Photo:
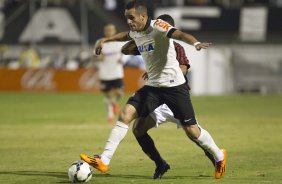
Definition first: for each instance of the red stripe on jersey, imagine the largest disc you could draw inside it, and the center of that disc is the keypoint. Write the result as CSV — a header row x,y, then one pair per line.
x,y
181,55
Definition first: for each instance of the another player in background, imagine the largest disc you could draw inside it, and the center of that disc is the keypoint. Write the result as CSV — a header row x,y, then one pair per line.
x,y
110,69
160,115
165,84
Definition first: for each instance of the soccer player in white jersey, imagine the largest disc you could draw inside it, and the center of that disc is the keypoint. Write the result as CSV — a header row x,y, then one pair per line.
x,y
165,85
160,115
110,71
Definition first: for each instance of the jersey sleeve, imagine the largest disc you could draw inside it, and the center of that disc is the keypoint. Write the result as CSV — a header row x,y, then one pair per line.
x,y
164,27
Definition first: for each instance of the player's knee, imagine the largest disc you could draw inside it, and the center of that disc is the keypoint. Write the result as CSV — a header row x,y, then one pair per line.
x,y
126,116
136,132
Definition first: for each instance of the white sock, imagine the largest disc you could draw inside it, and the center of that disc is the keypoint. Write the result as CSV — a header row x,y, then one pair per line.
x,y
116,136
206,141
110,111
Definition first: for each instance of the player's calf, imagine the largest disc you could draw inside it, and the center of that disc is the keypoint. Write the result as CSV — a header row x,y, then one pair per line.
x,y
192,131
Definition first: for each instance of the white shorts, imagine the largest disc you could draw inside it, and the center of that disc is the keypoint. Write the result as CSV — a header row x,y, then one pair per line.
x,y
163,114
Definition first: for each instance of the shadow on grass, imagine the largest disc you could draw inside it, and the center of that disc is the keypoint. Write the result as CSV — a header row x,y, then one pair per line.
x,y
62,176
132,176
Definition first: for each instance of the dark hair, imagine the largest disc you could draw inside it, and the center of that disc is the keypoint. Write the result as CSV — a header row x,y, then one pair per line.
x,y
167,18
138,5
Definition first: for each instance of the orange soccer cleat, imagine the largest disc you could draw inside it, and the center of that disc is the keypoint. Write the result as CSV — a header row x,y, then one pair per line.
x,y
95,162
220,166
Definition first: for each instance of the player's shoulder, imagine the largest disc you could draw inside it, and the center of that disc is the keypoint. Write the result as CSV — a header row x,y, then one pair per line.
x,y
161,25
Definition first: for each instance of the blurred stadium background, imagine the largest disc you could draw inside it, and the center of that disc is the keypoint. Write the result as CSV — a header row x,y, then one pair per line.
x,y
46,45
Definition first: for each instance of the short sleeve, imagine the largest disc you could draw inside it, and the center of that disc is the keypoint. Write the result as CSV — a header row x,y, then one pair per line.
x,y
164,27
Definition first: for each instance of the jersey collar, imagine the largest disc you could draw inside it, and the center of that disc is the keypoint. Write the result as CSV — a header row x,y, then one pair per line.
x,y
148,23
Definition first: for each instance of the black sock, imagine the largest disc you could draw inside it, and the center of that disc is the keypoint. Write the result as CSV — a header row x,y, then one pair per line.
x,y
148,146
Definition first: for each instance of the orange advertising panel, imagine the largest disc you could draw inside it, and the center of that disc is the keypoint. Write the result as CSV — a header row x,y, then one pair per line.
x,y
85,80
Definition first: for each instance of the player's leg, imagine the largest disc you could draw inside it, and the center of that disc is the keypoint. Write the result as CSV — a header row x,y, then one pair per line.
x,y
205,140
142,125
118,93
178,100
108,95
207,153
163,114
117,134
140,131
136,105
127,114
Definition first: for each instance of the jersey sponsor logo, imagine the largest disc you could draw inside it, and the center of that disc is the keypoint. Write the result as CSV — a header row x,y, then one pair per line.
x,y
163,25
146,48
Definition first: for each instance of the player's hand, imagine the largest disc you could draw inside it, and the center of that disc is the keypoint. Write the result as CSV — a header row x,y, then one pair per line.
x,y
98,46
203,45
145,76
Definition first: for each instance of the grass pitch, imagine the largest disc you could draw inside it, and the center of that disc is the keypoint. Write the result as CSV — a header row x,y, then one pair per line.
x,y
42,134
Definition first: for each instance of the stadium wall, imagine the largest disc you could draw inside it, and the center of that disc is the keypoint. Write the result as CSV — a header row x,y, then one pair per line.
x,y
82,80
224,69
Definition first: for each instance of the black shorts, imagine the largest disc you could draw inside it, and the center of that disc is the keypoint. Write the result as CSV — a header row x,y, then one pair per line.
x,y
107,85
177,98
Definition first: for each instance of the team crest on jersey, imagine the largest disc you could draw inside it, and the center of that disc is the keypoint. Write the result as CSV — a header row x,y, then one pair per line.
x,y
146,48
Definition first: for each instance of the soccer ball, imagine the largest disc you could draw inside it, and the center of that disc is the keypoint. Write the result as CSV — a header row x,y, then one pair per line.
x,y
80,172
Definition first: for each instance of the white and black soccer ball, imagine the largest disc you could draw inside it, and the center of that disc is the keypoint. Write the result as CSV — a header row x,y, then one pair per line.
x,y
80,172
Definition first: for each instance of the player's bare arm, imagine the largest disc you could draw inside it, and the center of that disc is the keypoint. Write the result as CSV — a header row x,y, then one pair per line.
x,y
122,36
130,48
184,69
189,39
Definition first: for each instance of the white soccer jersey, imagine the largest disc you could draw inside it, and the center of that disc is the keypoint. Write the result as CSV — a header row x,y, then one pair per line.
x,y
111,67
159,54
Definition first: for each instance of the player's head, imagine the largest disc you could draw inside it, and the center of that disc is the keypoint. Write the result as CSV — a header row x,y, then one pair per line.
x,y
167,18
109,30
136,15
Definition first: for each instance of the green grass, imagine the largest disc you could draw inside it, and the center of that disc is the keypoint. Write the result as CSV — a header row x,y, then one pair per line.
x,y
42,134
